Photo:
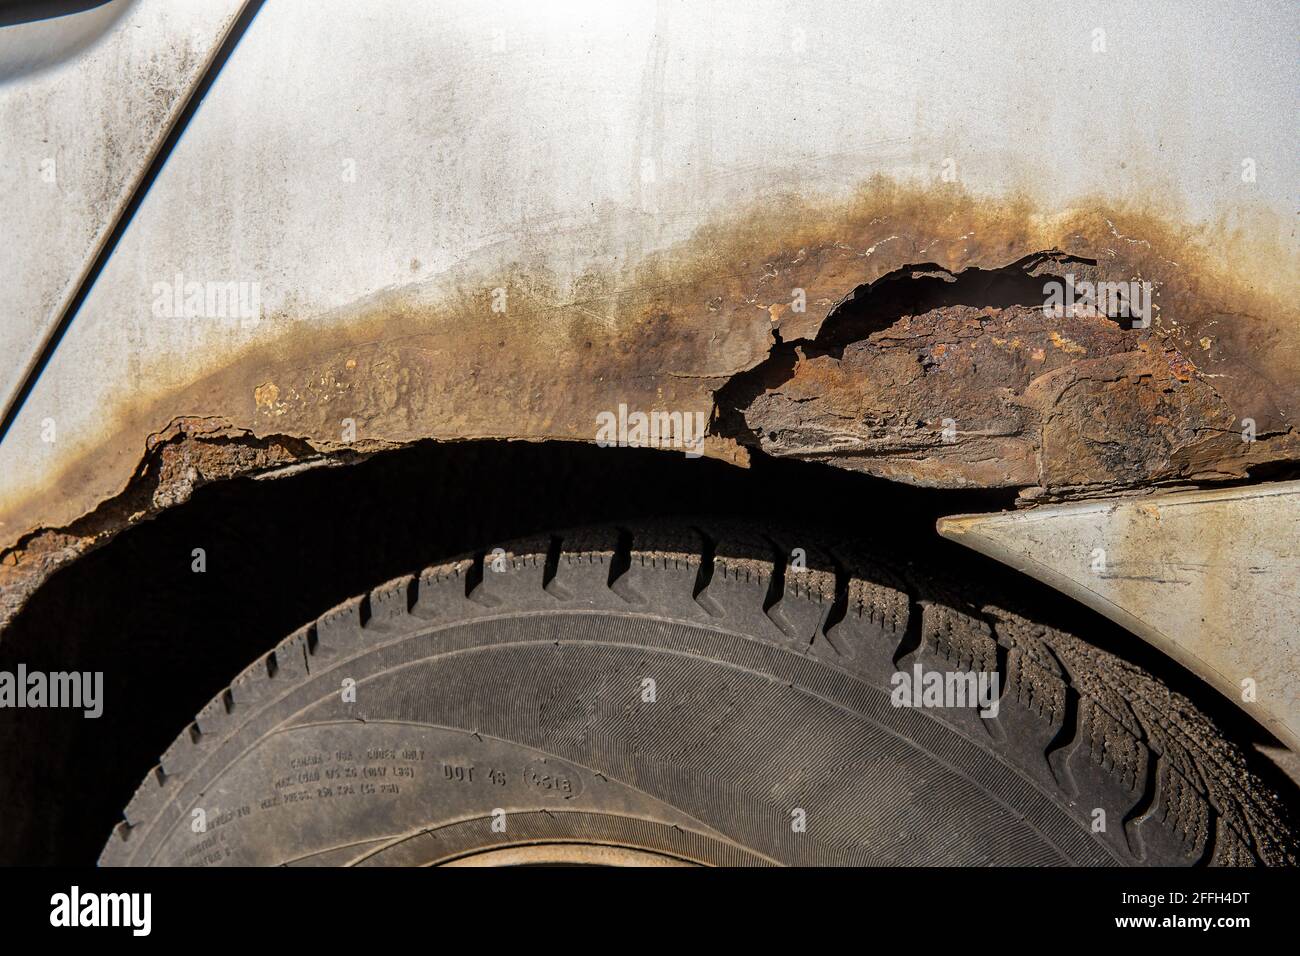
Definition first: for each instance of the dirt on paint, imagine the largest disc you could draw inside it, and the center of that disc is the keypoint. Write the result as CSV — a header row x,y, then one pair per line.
x,y
899,333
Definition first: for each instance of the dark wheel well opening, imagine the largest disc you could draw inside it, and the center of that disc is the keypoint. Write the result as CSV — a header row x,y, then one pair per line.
x,y
279,552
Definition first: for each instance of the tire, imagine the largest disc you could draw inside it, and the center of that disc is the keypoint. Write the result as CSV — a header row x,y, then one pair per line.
x,y
682,694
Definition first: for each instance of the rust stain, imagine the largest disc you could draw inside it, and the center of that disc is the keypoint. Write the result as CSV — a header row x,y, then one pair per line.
x,y
746,322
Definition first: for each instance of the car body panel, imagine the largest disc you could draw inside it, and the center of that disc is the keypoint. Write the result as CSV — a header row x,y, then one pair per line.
x,y
457,221
1211,578
82,119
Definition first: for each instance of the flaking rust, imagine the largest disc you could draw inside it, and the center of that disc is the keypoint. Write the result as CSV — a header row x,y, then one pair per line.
x,y
899,333
966,380
187,454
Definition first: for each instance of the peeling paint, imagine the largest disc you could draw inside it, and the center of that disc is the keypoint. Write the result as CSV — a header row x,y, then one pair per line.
x,y
1056,407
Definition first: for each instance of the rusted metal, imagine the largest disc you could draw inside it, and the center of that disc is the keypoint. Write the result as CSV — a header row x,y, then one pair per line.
x,y
187,454
674,220
1056,407
964,379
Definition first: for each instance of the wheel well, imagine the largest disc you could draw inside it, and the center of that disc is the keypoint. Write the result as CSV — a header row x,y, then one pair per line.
x,y
279,552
